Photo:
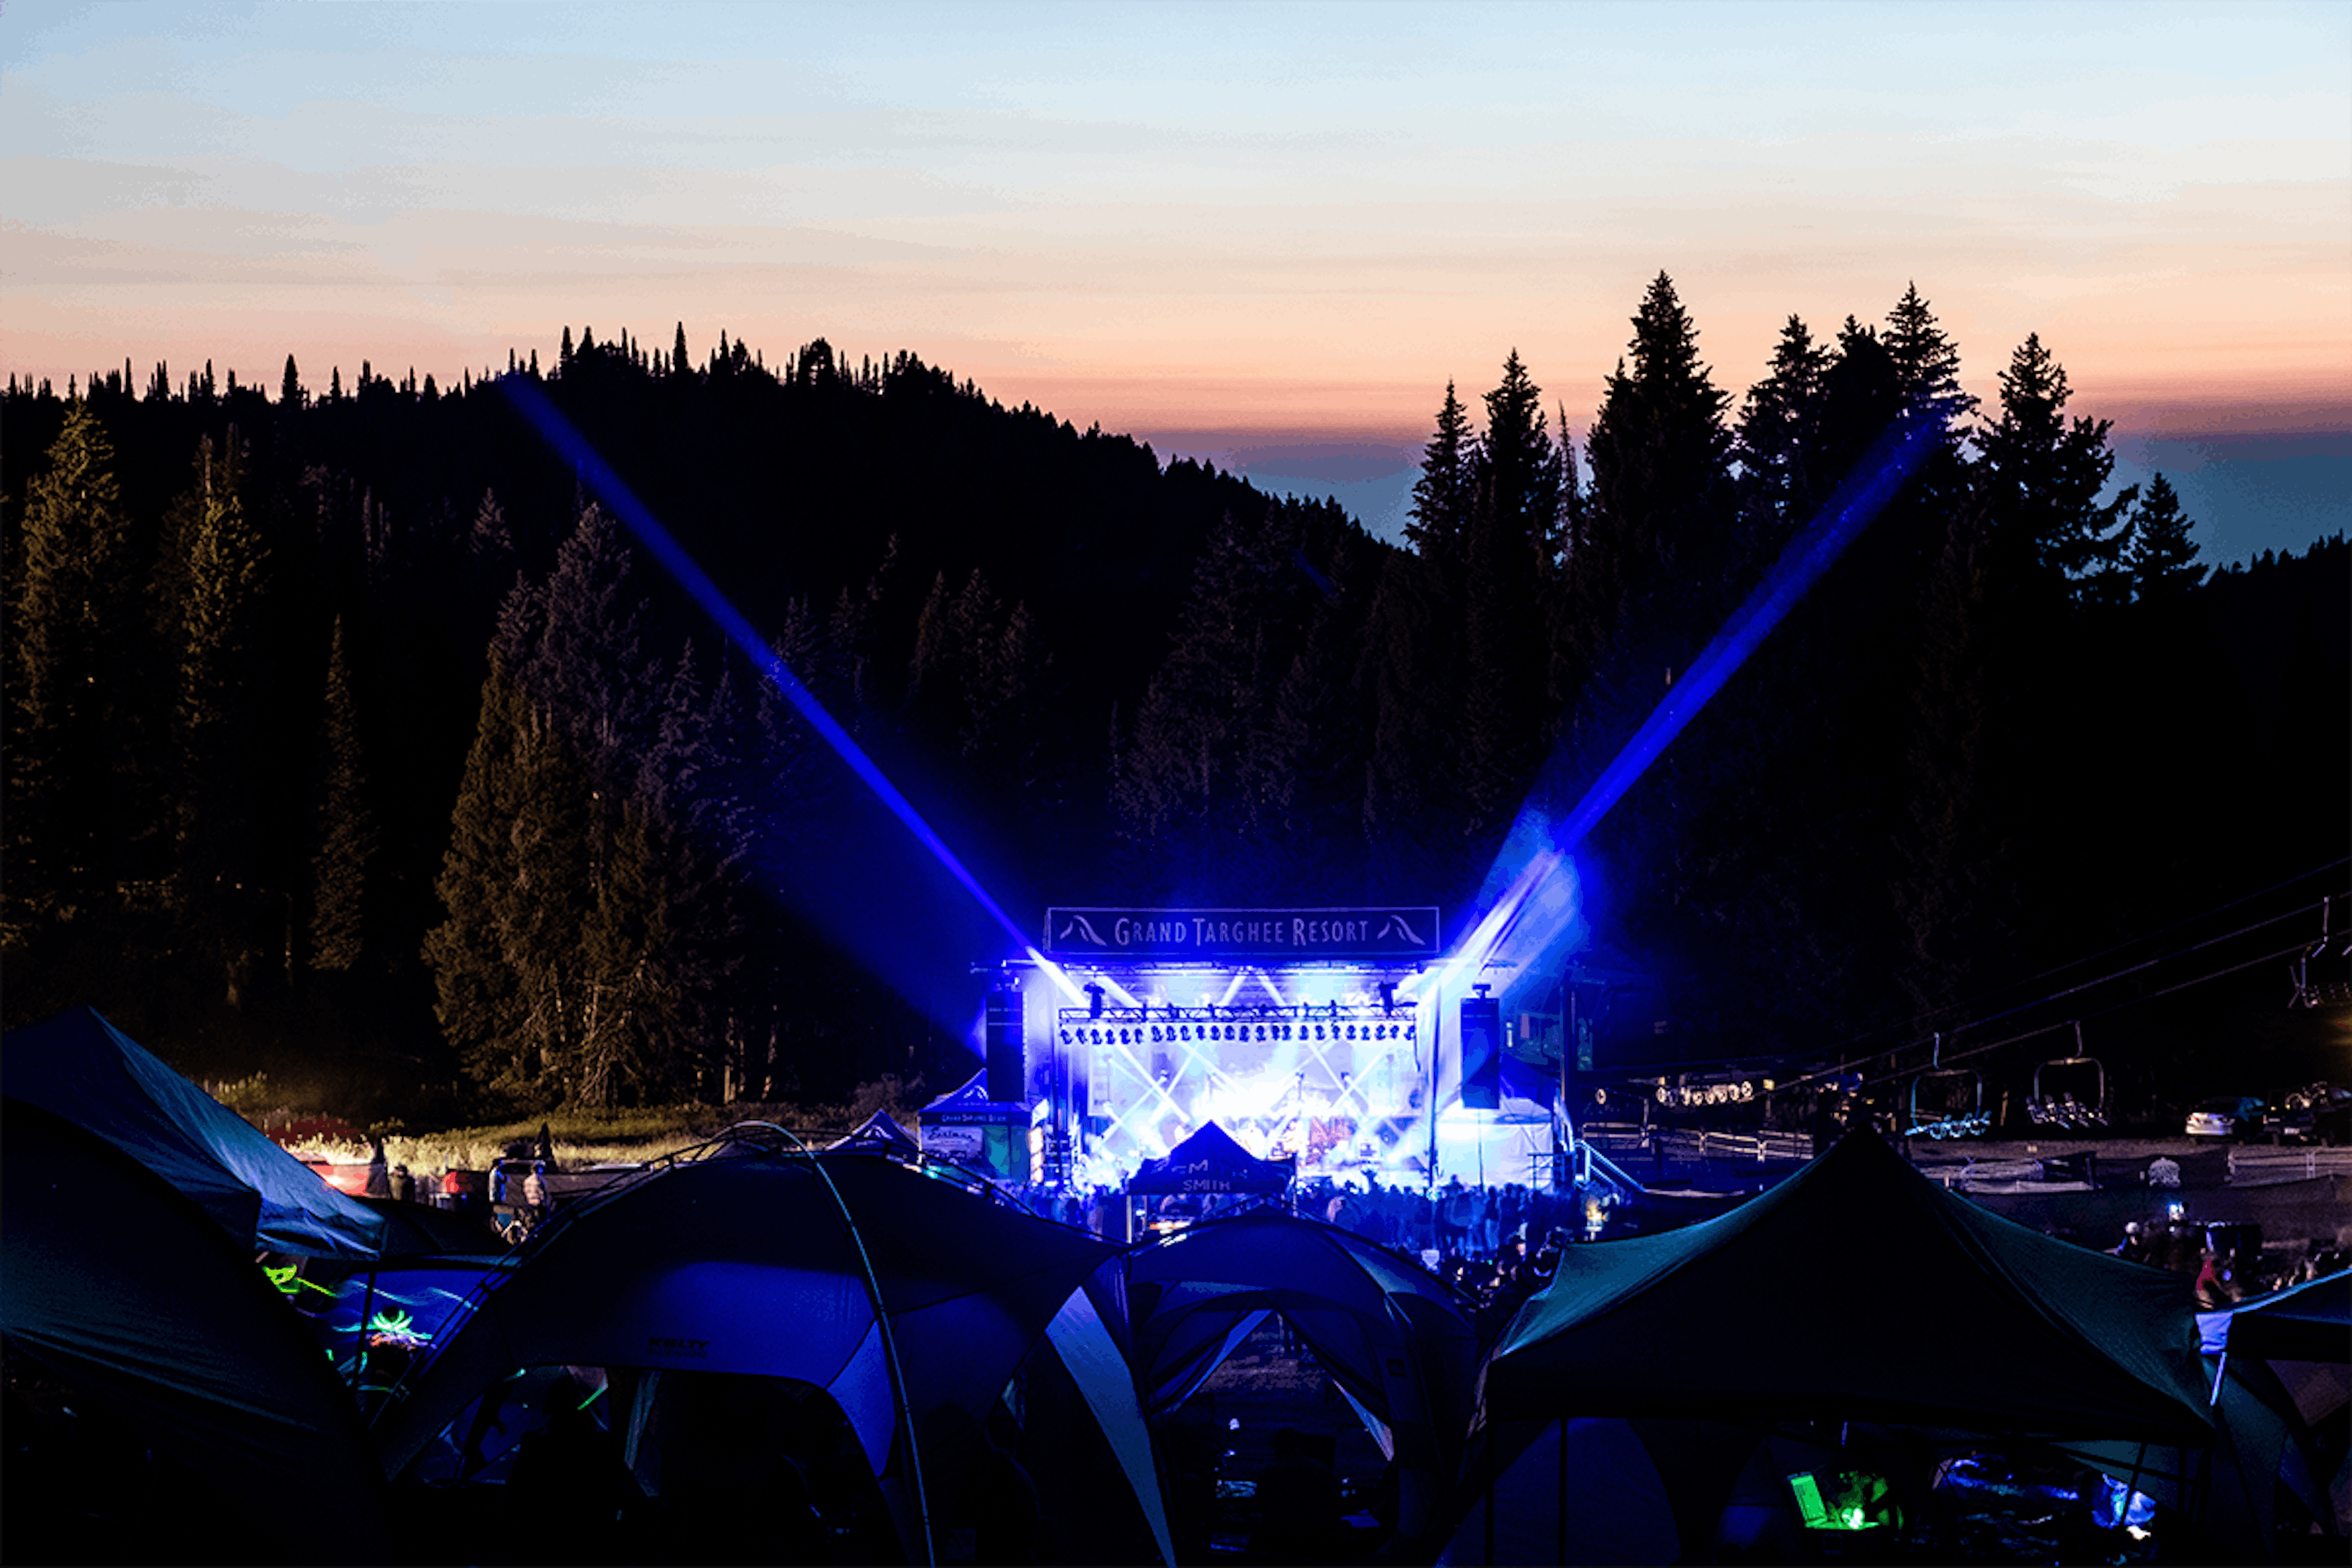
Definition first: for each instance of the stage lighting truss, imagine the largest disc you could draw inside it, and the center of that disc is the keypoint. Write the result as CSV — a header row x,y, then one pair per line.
x,y
1151,1063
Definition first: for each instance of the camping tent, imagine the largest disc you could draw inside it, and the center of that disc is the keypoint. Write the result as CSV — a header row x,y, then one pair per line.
x,y
2310,1322
129,1293
1854,1291
1401,1346
910,1301
1857,1289
79,1065
1210,1161
2280,1365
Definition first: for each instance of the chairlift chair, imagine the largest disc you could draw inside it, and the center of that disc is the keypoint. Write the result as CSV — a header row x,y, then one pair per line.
x,y
2325,992
2053,1104
1935,1116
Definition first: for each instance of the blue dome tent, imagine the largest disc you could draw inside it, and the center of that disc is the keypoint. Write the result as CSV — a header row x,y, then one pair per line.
x,y
910,1301
1400,1346
81,1068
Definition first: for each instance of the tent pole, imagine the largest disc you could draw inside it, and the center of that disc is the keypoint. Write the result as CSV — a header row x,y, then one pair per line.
x,y
360,1345
1486,1463
889,1348
1559,1495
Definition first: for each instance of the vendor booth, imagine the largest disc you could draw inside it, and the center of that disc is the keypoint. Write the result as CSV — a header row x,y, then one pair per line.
x,y
987,1137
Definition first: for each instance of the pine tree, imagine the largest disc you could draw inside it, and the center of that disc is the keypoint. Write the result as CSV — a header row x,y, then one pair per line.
x,y
2162,558
546,875
1774,444
1651,574
345,839
1926,361
1441,496
667,941
2038,483
1520,461
490,540
218,563
74,653
1956,894
1410,684
1195,778
289,387
587,675
1511,555
478,992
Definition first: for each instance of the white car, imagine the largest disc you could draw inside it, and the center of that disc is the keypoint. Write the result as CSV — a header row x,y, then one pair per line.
x,y
2226,1116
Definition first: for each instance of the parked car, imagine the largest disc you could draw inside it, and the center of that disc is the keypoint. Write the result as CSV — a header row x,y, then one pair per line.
x,y
2316,1113
2227,1116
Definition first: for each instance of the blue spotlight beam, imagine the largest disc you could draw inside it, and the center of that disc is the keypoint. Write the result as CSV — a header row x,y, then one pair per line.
x,y
1891,462
559,433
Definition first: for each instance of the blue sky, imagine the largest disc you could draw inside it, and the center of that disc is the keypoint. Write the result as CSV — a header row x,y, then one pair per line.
x,y
1266,234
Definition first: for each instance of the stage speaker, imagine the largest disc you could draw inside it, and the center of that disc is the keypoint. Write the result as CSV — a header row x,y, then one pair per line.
x,y
1007,1069
1481,1053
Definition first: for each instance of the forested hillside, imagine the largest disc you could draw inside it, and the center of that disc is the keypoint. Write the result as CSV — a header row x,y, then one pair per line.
x,y
348,736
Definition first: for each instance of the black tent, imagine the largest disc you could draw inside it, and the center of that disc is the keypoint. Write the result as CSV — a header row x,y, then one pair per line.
x,y
79,1065
1855,1291
1858,1290
129,1292
1210,1161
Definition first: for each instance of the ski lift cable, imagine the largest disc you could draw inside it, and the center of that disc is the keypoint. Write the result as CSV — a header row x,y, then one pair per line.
x,y
2049,997
1856,1064
2075,1023
1905,1026
2130,1002
2146,964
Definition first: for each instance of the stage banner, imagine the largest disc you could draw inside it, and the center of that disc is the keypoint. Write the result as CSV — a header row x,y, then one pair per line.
x,y
1387,935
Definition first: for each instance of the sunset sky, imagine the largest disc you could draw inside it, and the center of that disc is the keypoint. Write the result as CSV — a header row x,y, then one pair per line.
x,y
1264,234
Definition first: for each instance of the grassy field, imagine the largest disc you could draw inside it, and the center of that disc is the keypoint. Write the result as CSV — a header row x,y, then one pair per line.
x,y
579,1138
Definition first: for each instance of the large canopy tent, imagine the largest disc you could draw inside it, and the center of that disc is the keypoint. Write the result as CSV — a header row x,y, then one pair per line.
x,y
910,1301
1401,1346
1856,1291
81,1068
1210,1161
129,1293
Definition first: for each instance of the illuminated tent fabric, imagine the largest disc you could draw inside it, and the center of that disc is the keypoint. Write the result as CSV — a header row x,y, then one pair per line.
x,y
880,1134
2311,1322
2228,1485
1401,1346
1543,1505
129,1292
970,1100
79,1065
1210,1161
1857,1289
2278,1364
745,1264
